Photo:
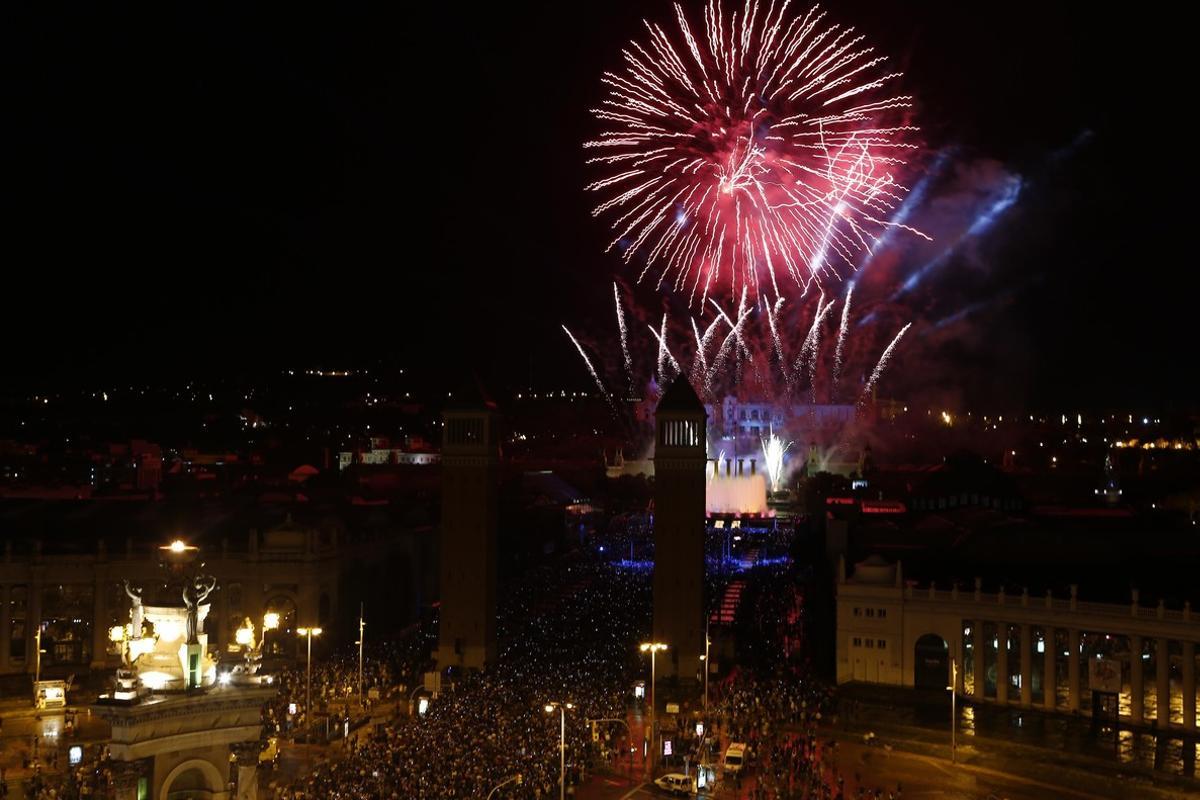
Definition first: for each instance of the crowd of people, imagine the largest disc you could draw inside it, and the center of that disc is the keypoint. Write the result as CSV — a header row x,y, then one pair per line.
x,y
776,705
566,630
84,781
569,633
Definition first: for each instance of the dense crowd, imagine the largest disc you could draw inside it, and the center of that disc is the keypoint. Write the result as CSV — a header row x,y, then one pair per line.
x,y
335,686
567,631
775,705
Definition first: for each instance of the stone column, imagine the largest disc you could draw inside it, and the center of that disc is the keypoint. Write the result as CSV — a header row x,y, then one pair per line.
x,y
1162,661
33,619
246,759
1073,670
1049,672
977,658
1001,662
1189,685
1137,682
125,779
960,655
1026,666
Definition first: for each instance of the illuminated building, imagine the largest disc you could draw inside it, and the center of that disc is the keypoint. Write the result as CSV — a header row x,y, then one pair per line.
x,y
311,566
1015,649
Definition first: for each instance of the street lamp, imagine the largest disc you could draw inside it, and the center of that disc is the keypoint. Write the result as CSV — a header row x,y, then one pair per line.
x,y
308,633
519,780
653,649
37,642
361,635
704,658
562,745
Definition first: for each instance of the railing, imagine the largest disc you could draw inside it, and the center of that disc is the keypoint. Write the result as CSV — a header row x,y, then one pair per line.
x,y
1034,603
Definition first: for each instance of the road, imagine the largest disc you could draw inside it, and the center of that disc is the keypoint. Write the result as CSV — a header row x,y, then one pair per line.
x,y
917,776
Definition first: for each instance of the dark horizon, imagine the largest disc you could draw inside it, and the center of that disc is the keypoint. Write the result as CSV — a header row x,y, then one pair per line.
x,y
217,192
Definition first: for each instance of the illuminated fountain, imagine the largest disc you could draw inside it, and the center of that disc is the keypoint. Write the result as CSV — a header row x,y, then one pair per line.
x,y
731,489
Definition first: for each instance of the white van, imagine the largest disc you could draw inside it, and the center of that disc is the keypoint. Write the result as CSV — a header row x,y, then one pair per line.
x,y
676,783
735,758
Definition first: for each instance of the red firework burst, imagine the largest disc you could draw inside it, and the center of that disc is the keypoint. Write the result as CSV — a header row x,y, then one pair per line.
x,y
761,152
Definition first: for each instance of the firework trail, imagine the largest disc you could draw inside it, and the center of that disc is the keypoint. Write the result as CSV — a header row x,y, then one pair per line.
x,y
773,449
809,350
721,353
664,355
772,314
883,362
734,337
700,368
840,350
588,361
758,149
624,338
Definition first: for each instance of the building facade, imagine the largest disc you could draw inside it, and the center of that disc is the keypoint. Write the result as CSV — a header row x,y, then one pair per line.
x,y
1017,649
305,573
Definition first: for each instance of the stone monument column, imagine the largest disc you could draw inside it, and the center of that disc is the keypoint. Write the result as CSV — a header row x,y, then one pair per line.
x,y
126,775
1049,673
1137,682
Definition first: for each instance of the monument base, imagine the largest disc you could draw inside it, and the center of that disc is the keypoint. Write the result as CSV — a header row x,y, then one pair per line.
x,y
180,742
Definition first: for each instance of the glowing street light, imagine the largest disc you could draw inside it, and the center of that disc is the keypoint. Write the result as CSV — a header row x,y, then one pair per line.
x,y
562,745
308,633
653,648
244,636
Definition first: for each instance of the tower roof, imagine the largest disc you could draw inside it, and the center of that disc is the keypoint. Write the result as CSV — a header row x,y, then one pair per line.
x,y
680,396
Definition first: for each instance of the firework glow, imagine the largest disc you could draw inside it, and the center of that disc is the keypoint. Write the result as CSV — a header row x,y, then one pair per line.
x,y
773,449
758,149
882,365
730,350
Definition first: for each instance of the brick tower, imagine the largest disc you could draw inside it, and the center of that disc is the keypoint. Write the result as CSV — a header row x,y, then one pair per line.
x,y
680,456
470,474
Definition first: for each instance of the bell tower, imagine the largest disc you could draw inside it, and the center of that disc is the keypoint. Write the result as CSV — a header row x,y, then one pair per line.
x,y
470,474
680,458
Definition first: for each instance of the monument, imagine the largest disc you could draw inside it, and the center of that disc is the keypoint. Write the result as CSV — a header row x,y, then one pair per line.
x,y
181,718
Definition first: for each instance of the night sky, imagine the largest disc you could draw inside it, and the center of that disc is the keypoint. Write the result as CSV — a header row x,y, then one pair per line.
x,y
192,189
